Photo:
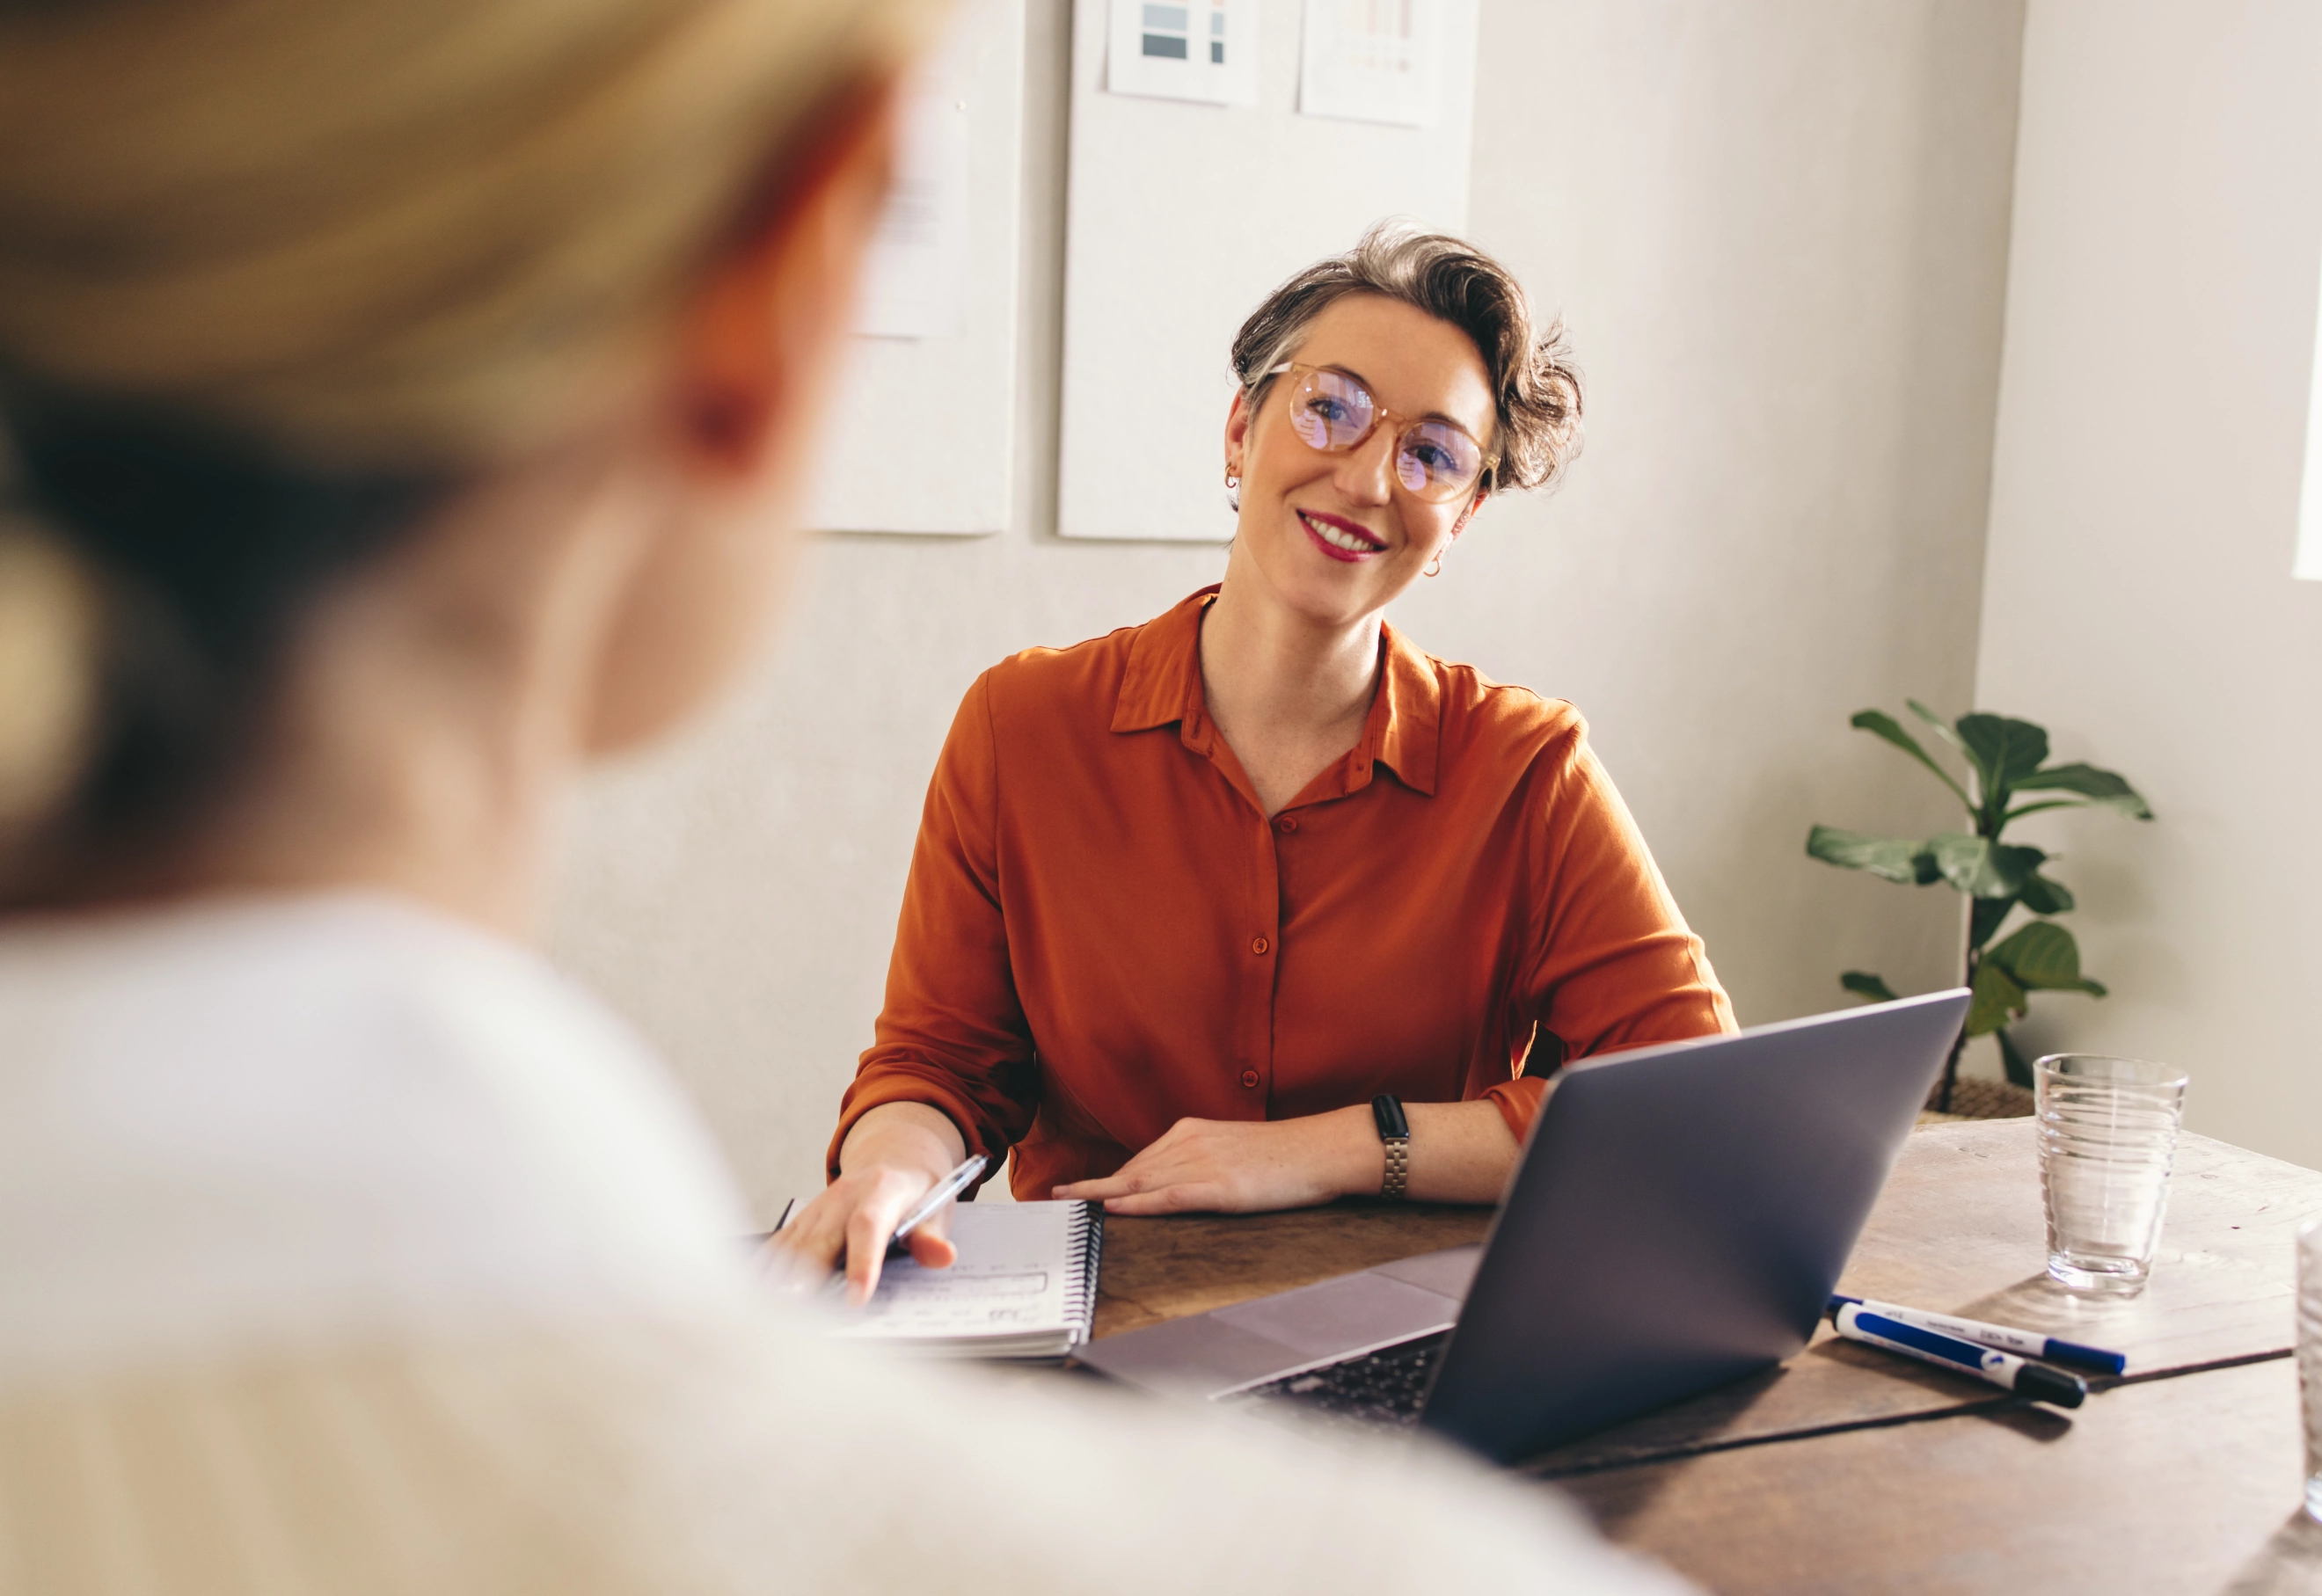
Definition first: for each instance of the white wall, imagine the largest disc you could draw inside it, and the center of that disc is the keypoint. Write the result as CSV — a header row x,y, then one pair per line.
x,y
2138,600
1780,230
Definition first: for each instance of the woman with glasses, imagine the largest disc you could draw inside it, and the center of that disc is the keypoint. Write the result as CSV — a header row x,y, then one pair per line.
x,y
1257,905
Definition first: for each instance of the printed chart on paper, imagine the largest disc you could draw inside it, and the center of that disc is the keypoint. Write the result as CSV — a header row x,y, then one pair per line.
x,y
1185,49
1373,60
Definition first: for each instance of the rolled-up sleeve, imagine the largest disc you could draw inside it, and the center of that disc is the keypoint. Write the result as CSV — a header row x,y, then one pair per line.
x,y
1612,962
953,1033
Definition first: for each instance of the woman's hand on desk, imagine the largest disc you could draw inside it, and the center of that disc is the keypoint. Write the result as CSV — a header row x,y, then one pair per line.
x,y
1459,1153
893,1157
1241,1166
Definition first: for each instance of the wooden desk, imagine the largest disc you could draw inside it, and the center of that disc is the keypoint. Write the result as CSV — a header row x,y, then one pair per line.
x,y
1881,1471
1960,1228
2175,1486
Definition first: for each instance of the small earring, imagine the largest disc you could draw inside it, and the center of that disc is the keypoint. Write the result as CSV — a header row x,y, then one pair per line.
x,y
1233,493
1435,569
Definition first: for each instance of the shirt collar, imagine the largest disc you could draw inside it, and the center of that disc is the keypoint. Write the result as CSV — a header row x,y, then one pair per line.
x,y
1161,686
1163,683
1406,724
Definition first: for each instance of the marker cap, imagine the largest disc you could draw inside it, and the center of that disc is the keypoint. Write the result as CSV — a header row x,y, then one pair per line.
x,y
2087,1357
2051,1385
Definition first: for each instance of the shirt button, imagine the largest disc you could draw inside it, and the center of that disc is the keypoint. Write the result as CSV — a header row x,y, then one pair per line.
x,y
1287,824
1250,1077
1258,944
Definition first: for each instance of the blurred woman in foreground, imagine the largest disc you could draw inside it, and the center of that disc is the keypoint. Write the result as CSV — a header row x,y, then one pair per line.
x,y
406,402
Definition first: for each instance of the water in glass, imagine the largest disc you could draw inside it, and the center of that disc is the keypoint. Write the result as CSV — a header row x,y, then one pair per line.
x,y
2107,1133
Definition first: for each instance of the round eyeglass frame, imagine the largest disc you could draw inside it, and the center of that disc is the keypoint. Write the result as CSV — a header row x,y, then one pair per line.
x,y
1485,462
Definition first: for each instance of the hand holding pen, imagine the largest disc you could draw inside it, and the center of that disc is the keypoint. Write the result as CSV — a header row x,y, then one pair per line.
x,y
942,1192
901,1157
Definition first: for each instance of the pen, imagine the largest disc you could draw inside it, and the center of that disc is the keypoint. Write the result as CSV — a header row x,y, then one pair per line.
x,y
949,1187
2024,1343
2002,1369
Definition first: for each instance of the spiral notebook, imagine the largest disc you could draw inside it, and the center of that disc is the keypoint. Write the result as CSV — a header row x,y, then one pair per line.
x,y
1024,1286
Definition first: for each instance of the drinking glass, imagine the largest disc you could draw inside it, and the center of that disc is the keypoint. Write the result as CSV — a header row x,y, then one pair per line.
x,y
2309,1357
2107,1131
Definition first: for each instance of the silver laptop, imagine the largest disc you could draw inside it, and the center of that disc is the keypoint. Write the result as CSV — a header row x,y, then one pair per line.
x,y
1677,1220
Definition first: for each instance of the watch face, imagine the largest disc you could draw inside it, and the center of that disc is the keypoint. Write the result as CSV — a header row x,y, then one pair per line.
x,y
1388,1111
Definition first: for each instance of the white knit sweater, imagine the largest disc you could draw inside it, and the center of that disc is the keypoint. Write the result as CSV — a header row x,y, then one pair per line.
x,y
345,1249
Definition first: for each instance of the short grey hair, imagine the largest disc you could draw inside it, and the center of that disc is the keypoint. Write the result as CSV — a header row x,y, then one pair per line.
x,y
1535,387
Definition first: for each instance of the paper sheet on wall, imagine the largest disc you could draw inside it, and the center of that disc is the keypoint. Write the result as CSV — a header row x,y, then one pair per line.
x,y
940,304
1169,248
912,273
1184,49
1373,60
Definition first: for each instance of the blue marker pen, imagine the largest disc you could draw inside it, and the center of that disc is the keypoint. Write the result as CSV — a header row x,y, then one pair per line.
x,y
2024,1343
2005,1370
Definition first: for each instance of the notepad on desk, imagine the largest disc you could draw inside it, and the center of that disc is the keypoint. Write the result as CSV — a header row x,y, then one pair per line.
x,y
1024,1286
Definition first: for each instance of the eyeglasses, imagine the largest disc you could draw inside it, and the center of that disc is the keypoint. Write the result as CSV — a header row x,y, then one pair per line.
x,y
1333,413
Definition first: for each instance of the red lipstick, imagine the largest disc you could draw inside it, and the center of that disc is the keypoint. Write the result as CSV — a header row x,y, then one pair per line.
x,y
1310,520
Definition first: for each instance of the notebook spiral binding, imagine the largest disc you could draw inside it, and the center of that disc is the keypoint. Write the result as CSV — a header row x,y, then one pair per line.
x,y
1087,1245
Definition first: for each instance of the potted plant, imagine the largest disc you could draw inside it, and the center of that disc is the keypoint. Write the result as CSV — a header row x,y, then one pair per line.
x,y
2005,759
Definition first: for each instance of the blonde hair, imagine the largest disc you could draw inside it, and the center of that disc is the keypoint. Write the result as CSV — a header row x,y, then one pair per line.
x,y
416,231
394,239
48,630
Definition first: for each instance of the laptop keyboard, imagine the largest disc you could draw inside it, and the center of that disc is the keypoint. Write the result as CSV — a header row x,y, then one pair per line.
x,y
1383,1387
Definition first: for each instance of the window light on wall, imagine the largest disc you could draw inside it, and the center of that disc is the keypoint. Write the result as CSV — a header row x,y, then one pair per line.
x,y
2308,565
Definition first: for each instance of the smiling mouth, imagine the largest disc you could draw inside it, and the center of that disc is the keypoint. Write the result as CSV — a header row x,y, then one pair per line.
x,y
1338,537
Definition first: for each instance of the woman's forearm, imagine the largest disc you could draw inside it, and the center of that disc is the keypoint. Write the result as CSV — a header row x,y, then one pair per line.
x,y
908,1135
1459,1152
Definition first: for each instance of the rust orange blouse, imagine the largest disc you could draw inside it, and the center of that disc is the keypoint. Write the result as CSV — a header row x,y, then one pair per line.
x,y
1103,933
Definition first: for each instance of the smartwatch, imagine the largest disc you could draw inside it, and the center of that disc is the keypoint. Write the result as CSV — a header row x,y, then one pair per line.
x,y
1394,1131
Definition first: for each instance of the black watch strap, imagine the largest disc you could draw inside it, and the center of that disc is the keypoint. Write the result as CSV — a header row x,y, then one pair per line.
x,y
1394,1132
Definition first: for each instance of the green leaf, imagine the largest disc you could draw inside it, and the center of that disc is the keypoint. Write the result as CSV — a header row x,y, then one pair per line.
x,y
1986,916
2045,897
1983,868
1998,999
2017,860
2042,957
2105,788
2012,1059
2021,810
1893,859
1863,984
2042,954
1942,729
1879,723
1960,857
2004,750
